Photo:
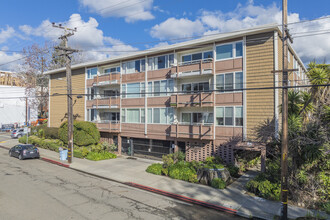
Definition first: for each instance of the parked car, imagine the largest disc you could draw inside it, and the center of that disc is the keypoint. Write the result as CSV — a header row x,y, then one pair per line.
x,y
23,151
17,133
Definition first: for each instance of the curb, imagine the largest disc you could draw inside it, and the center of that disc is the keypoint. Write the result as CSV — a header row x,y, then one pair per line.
x,y
55,162
183,198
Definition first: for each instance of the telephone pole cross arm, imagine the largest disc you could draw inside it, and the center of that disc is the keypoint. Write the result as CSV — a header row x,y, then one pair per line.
x,y
67,52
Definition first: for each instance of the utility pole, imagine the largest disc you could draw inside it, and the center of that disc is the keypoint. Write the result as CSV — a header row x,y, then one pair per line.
x,y
66,52
26,111
284,153
42,85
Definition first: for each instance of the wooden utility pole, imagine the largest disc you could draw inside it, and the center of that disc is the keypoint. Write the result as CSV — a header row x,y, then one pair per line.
x,y
67,52
284,153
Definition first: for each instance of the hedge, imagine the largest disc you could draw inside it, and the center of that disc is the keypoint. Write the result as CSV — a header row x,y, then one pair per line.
x,y
100,156
84,133
155,168
42,143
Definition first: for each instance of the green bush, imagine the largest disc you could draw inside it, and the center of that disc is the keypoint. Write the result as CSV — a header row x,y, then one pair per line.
x,y
233,170
97,148
41,133
51,133
22,140
182,171
100,156
84,133
77,153
218,183
49,144
264,188
155,168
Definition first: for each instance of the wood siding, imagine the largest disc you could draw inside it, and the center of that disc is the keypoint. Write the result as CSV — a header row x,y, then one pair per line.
x,y
259,64
58,104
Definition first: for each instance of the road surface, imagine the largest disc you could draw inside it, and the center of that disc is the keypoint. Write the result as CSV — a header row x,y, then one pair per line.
x,y
34,189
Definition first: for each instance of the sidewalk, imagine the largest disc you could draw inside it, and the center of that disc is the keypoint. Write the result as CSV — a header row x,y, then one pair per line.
x,y
234,196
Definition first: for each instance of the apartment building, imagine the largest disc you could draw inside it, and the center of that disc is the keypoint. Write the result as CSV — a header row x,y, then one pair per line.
x,y
204,97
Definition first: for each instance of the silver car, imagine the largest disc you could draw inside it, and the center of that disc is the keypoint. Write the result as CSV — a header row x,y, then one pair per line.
x,y
17,133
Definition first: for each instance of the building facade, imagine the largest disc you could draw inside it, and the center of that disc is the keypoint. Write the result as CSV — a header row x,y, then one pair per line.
x,y
205,97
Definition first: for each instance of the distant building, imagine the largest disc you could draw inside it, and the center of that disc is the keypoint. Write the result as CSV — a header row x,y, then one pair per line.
x,y
13,105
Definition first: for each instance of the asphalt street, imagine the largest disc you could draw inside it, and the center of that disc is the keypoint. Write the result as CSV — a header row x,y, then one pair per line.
x,y
34,189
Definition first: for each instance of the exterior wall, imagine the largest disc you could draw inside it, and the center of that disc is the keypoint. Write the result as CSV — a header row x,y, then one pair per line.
x,y
58,104
259,64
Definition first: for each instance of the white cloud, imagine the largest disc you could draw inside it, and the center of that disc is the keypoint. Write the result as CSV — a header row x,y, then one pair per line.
x,y
174,28
5,34
247,16
88,38
133,10
9,61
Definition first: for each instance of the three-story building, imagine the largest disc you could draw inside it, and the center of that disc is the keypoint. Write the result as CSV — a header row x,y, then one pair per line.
x,y
209,96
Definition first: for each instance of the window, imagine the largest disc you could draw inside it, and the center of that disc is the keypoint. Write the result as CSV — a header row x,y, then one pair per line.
x,y
196,87
160,115
224,51
143,115
197,118
134,66
123,115
186,118
149,115
208,55
133,90
227,51
225,116
133,115
111,70
186,58
91,73
161,62
160,88
91,93
123,90
156,116
197,56
239,80
229,82
92,114
239,49
229,115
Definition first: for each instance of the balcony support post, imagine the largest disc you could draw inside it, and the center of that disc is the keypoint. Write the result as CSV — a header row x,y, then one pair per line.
x,y
119,144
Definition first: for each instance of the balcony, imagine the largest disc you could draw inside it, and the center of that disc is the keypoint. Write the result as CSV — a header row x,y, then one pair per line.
x,y
108,126
102,102
201,99
193,68
196,131
107,79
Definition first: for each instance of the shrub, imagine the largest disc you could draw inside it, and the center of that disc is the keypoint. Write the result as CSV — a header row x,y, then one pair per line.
x,y
218,183
43,143
170,159
182,171
97,148
155,168
264,188
233,170
77,153
100,156
51,133
41,133
84,133
22,140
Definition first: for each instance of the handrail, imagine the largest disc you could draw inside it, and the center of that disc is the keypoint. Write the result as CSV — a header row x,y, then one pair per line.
x,y
207,60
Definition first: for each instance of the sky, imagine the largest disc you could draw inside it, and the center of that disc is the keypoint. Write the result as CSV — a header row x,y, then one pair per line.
x,y
108,28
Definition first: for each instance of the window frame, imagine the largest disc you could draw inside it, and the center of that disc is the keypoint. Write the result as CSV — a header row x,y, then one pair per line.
x,y
141,67
234,116
234,82
191,54
192,118
87,75
233,50
167,118
123,114
167,60
124,94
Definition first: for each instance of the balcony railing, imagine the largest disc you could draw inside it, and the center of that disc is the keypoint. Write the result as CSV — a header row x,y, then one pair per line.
x,y
201,99
108,125
193,68
103,102
107,79
195,131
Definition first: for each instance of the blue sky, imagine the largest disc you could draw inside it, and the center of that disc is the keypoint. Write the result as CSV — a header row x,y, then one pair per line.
x,y
121,26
